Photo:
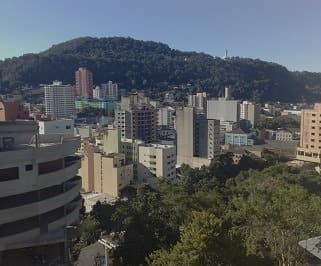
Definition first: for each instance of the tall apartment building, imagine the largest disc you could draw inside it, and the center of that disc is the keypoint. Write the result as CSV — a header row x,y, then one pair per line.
x,y
199,101
166,116
110,90
60,100
198,138
250,111
136,118
157,160
310,139
39,192
84,82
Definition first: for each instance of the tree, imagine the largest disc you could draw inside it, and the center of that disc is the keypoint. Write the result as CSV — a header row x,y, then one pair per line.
x,y
198,245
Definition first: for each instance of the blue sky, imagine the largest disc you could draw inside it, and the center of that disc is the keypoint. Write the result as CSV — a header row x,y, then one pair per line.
x,y
283,31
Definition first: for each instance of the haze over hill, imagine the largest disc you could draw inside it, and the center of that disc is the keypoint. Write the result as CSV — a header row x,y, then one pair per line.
x,y
148,65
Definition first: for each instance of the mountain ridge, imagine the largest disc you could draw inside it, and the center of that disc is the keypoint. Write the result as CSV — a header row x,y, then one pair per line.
x,y
148,65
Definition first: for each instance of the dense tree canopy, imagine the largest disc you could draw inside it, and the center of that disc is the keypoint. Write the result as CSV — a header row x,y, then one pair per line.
x,y
219,216
150,65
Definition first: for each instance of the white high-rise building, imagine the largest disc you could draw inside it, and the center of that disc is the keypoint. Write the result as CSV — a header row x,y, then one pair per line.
x,y
98,93
60,100
249,111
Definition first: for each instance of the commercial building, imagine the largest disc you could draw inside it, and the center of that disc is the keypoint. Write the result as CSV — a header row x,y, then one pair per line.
x,y
84,83
136,118
106,105
250,111
56,127
60,100
199,101
39,192
310,139
198,138
11,111
157,160
238,138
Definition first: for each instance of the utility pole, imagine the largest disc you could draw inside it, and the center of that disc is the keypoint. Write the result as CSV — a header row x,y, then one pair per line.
x,y
108,245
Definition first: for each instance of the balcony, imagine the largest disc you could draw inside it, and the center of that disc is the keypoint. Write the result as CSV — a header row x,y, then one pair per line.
x,y
42,206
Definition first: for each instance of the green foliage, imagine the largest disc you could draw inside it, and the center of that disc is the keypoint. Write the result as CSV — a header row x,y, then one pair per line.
x,y
257,216
89,235
199,243
153,66
286,121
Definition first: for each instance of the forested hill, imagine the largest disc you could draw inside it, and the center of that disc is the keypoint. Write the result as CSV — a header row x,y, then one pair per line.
x,y
146,65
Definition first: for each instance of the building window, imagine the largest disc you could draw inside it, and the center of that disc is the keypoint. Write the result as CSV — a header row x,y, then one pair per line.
x,y
29,167
7,174
51,166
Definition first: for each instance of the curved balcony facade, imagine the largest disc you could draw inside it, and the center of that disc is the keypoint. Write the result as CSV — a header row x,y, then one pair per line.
x,y
39,193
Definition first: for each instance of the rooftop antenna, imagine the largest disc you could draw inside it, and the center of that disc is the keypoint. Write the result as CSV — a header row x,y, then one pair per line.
x,y
226,54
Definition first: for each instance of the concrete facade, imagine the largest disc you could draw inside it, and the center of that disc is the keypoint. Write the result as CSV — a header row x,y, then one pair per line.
x,y
197,137
39,192
223,110
157,160
61,127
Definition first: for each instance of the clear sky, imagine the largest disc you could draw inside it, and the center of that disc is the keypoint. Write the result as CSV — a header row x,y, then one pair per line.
x,y
283,31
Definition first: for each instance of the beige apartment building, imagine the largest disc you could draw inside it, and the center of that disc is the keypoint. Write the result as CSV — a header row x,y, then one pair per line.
x,y
310,140
157,160
104,173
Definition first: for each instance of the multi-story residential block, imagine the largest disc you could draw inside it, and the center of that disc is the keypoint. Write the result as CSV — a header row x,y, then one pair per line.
x,y
238,138
250,111
56,127
110,90
39,192
84,83
104,173
136,118
10,111
166,116
60,100
198,138
199,101
310,139
157,160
